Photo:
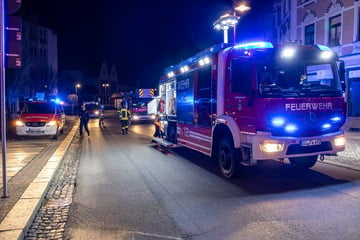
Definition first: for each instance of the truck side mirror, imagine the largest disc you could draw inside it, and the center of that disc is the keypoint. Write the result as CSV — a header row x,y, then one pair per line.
x,y
341,66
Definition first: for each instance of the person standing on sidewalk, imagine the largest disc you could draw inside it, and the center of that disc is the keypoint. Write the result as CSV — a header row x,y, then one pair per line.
x,y
124,116
159,133
101,118
84,120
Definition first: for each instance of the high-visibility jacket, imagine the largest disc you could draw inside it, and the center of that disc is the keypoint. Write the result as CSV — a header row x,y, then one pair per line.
x,y
124,114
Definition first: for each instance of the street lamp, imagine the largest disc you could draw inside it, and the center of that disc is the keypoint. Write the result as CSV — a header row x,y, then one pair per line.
x,y
105,85
227,21
77,86
242,8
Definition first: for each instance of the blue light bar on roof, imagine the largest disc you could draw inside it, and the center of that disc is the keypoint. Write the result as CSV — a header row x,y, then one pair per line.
x,y
322,47
252,45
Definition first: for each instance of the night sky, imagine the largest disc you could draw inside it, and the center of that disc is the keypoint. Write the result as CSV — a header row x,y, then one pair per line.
x,y
141,38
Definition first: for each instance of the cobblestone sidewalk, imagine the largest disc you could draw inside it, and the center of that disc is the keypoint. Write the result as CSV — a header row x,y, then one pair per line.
x,y
52,216
350,158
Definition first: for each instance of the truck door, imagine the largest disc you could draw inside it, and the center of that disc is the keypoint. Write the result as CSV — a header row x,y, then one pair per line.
x,y
240,103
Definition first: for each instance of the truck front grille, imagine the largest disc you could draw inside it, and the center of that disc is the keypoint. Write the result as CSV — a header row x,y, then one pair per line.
x,y
297,148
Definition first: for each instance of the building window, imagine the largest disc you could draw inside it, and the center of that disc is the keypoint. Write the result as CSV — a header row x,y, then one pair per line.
x,y
289,6
334,31
358,26
310,34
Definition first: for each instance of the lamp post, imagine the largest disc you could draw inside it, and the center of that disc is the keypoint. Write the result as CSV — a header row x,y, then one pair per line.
x,y
105,85
227,21
242,8
77,86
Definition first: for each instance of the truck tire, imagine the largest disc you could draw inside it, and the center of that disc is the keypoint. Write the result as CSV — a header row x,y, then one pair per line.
x,y
226,158
303,162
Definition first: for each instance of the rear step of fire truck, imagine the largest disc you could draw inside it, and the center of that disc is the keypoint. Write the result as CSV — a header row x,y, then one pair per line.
x,y
164,143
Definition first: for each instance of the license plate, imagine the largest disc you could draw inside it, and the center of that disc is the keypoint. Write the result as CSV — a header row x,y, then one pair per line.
x,y
36,131
310,142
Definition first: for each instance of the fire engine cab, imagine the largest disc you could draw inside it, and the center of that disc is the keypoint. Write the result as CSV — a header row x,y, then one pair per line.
x,y
256,101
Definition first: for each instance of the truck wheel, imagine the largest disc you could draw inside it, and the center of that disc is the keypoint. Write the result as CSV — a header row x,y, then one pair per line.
x,y
229,167
62,131
303,162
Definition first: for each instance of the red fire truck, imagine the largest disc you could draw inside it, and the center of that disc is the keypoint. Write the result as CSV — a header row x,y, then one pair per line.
x,y
137,103
256,101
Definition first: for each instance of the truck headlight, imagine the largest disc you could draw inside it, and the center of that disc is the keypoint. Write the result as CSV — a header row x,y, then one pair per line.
x,y
19,123
339,141
271,146
152,117
135,117
52,123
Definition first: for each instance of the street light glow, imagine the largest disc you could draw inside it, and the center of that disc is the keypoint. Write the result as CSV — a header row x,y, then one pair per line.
x,y
227,21
242,8
77,86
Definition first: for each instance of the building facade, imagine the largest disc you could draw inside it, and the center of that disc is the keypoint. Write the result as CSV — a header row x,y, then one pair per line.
x,y
334,23
37,77
108,84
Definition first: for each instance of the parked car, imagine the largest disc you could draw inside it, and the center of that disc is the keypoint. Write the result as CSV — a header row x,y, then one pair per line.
x,y
41,119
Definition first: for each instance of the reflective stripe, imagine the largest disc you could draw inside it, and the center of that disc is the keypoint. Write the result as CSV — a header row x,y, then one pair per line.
x,y
124,114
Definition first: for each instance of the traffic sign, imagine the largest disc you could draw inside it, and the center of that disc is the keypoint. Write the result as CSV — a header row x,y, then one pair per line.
x,y
13,42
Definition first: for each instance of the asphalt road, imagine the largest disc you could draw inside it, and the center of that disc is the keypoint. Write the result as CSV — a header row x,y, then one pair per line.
x,y
128,189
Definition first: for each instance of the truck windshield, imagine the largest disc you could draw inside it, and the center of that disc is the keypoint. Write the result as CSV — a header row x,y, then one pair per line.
x,y
298,80
44,108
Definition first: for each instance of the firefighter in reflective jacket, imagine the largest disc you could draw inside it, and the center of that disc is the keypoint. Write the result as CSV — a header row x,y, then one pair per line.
x,y
124,116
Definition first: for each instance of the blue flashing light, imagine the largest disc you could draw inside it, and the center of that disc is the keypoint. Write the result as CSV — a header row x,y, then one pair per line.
x,y
336,119
290,128
278,121
252,45
57,101
322,47
326,126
